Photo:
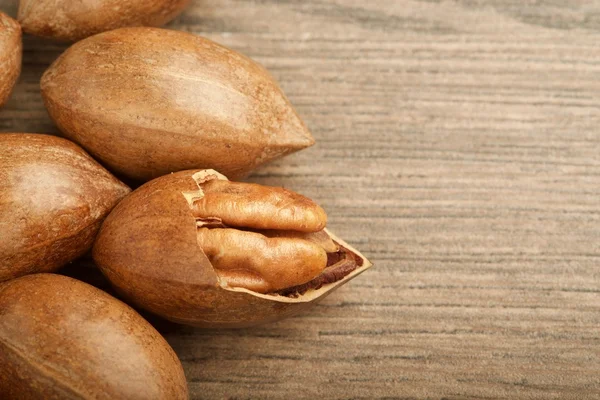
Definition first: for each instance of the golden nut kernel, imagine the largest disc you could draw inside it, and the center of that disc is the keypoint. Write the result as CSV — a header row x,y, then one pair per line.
x,y
54,197
259,263
74,20
64,339
251,206
149,101
198,249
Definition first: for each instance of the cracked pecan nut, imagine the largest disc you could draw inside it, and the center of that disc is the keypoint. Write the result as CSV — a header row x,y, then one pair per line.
x,y
198,249
149,101
53,199
64,339
11,50
69,20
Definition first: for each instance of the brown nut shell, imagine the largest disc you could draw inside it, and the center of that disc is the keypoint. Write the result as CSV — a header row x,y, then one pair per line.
x,y
70,20
53,199
149,101
11,50
148,249
64,339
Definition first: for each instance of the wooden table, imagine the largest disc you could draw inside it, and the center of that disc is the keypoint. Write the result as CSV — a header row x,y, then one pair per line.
x,y
459,148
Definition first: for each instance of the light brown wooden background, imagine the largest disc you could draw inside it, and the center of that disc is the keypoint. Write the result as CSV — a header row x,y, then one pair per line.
x,y
459,148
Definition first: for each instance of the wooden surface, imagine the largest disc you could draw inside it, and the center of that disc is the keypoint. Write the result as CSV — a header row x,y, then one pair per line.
x,y
459,149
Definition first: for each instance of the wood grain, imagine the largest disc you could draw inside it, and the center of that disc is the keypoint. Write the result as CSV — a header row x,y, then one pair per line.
x,y
459,148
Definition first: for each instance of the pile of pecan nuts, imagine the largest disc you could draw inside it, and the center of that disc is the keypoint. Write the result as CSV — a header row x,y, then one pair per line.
x,y
175,115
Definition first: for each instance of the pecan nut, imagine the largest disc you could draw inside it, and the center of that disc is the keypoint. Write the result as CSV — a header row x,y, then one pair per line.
x,y
54,197
64,339
11,49
196,248
204,105
75,20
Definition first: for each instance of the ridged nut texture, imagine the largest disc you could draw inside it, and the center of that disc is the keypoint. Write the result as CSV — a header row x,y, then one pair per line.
x,y
198,249
64,339
52,200
70,20
11,50
149,101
